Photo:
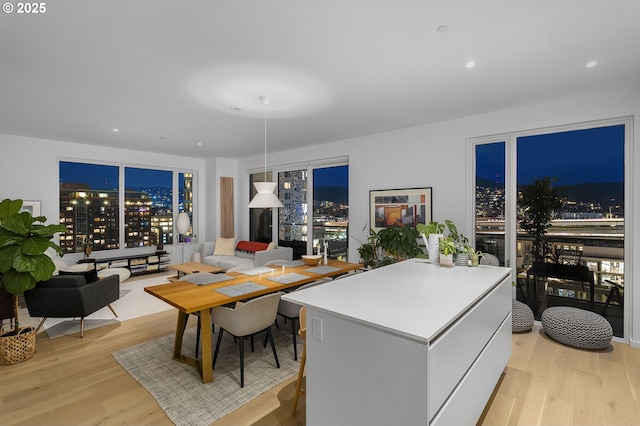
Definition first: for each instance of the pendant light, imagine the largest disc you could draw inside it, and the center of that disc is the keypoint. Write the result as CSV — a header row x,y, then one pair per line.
x,y
265,198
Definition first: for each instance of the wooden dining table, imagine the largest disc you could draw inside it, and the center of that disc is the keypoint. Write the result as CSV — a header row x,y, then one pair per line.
x,y
190,298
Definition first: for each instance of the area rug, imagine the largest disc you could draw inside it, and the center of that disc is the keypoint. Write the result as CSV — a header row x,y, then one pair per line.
x,y
133,303
179,390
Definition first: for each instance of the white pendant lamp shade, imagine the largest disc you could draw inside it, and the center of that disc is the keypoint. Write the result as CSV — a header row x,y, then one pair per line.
x,y
265,198
182,223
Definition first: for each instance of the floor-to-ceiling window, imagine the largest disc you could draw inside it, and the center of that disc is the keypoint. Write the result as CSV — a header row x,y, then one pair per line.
x,y
292,218
260,220
331,210
558,218
316,209
490,198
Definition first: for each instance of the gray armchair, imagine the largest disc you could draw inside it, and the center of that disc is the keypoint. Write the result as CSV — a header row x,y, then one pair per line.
x,y
71,296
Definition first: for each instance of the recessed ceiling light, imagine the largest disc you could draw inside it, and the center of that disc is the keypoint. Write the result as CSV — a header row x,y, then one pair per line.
x,y
199,144
471,64
116,130
442,29
592,64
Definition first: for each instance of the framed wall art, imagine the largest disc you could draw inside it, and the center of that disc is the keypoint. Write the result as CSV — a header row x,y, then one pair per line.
x,y
407,207
32,207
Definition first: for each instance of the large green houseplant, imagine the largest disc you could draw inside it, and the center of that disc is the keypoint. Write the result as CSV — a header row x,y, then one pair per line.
x,y
389,245
23,242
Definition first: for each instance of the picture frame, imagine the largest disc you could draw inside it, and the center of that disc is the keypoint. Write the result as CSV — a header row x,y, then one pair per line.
x,y
391,207
32,207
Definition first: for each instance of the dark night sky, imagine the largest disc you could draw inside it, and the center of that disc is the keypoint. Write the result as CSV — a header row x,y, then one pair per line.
x,y
579,156
106,177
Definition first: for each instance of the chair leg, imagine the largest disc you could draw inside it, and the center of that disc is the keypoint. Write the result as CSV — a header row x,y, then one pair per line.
x,y
273,346
303,361
81,326
215,354
114,312
242,362
293,333
41,323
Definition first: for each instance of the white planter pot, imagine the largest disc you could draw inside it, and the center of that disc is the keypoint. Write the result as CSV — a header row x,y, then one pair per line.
x,y
446,259
432,244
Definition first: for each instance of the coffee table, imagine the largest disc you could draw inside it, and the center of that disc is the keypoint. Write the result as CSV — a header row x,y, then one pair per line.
x,y
192,268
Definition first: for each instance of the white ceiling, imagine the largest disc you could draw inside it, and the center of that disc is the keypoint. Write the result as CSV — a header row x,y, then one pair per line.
x,y
166,73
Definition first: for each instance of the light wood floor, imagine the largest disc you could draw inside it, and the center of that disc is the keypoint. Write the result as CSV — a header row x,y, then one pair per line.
x,y
73,381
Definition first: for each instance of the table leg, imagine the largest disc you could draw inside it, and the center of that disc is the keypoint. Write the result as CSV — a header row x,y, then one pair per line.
x,y
206,359
180,327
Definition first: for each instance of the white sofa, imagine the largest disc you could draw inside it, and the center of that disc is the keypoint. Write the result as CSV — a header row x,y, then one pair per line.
x,y
246,254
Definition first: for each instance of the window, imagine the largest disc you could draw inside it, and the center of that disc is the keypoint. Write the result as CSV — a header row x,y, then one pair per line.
x,y
331,210
260,220
91,208
148,207
324,210
292,219
581,170
489,199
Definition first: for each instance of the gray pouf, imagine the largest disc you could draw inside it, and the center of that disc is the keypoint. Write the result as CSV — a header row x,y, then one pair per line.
x,y
577,327
521,317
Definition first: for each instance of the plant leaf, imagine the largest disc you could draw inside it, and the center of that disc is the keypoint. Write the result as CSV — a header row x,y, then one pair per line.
x,y
9,207
17,282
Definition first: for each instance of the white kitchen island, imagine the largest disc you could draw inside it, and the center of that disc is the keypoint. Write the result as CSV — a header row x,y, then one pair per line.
x,y
407,344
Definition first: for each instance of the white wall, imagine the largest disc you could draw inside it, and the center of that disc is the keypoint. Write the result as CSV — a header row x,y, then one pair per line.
x,y
435,155
29,170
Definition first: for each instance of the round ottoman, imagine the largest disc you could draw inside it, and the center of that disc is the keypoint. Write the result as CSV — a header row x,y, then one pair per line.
x,y
577,327
124,273
521,317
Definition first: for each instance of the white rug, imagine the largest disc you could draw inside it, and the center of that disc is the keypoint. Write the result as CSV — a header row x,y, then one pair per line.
x,y
133,303
179,390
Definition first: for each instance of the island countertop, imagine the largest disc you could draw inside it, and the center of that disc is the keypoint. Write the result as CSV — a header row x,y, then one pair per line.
x,y
412,298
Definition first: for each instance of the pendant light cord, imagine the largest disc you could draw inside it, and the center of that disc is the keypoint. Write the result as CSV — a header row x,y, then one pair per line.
x,y
265,141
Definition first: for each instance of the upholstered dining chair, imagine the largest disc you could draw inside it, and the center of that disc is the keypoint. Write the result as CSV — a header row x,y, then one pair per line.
x,y
291,311
246,320
303,333
489,259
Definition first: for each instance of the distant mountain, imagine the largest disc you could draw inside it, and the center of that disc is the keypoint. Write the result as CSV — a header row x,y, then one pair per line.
x,y
605,194
337,194
600,193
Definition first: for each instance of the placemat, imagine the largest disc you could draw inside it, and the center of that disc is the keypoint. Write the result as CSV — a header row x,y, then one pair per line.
x,y
289,278
205,278
322,269
240,289
255,271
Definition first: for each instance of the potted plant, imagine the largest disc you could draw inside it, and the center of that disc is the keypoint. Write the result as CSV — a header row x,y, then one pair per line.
x,y
474,255
389,245
432,232
23,262
447,248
